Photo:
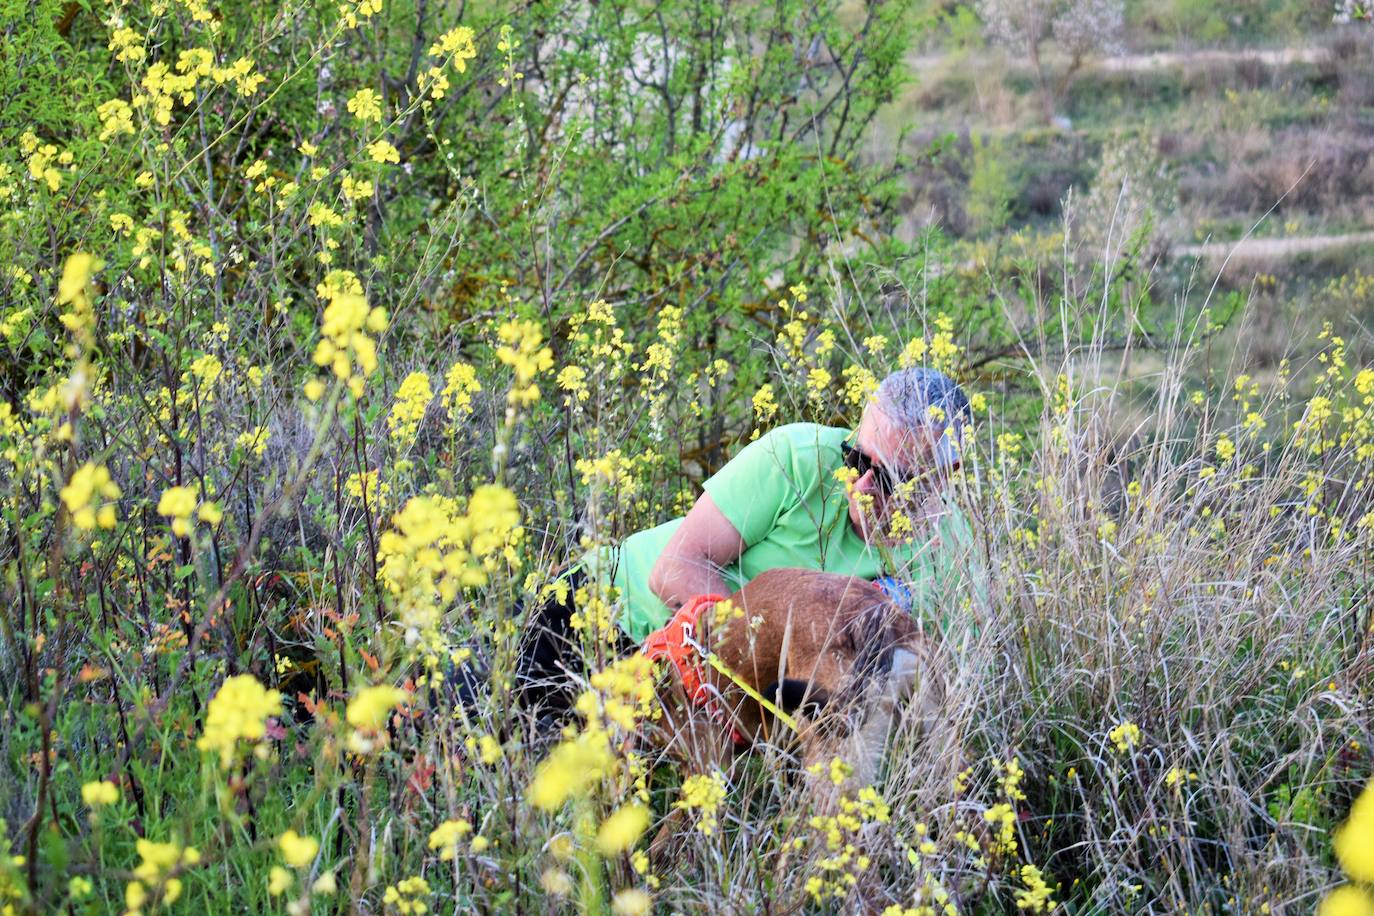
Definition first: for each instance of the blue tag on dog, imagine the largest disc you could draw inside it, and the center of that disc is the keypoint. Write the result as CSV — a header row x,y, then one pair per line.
x,y
897,591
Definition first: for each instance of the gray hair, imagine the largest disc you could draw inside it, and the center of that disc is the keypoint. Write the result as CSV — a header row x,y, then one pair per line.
x,y
907,396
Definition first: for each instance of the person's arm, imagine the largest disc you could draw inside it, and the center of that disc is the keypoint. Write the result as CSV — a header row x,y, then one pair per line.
x,y
691,562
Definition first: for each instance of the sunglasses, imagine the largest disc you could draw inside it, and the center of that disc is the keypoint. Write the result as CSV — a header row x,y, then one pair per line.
x,y
887,480
859,461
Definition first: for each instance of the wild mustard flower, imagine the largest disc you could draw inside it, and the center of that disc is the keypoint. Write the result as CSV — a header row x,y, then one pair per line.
x,y
522,348
447,836
279,880
368,487
296,850
404,896
177,503
460,384
412,399
383,152
838,871
74,290
370,707
1354,840
1037,896
571,769
89,497
100,793
210,513
1125,736
365,105
622,829
159,862
344,346
456,44
433,549
238,712
573,379
631,902
253,441
703,793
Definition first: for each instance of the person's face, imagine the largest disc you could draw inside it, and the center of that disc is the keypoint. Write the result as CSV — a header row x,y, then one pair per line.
x,y
905,453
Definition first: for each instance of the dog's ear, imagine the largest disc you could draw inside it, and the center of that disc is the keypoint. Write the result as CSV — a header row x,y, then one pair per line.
x,y
792,695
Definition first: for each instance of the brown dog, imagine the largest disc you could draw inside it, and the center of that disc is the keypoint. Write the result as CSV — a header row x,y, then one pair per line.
x,y
830,650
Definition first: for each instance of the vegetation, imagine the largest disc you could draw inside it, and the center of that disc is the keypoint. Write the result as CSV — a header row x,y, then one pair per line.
x,y
332,330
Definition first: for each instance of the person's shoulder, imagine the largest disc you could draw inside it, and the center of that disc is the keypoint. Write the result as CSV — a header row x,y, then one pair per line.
x,y
812,436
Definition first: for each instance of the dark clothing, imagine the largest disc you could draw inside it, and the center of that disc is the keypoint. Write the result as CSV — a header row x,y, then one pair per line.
x,y
551,660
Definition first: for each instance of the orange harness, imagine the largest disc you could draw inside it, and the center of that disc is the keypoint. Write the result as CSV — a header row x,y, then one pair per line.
x,y
676,642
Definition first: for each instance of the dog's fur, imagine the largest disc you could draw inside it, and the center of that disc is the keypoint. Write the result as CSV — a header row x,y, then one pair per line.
x,y
829,648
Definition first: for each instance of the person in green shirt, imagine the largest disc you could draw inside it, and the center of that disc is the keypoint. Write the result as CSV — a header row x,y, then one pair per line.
x,y
869,502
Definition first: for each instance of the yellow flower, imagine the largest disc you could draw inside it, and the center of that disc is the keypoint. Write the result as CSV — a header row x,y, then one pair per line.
x,y
632,901
210,513
177,503
279,881
370,706
412,398
457,42
237,712
365,105
556,882
100,793
447,836
620,831
1354,840
298,851
325,885
1347,900
704,793
571,768
159,861
460,384
405,895
382,151
489,749
86,495
1124,736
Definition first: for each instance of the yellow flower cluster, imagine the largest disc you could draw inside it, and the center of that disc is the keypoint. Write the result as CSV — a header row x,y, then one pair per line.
x,y
74,290
1037,896
447,836
365,105
570,770
99,794
703,794
622,829
89,497
622,694
155,877
433,549
40,157
345,346
839,870
296,850
522,348
1125,736
412,399
405,896
178,503
1353,842
238,712
614,471
460,384
367,487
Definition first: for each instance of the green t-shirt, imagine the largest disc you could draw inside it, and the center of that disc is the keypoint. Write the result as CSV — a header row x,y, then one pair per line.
x,y
781,494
